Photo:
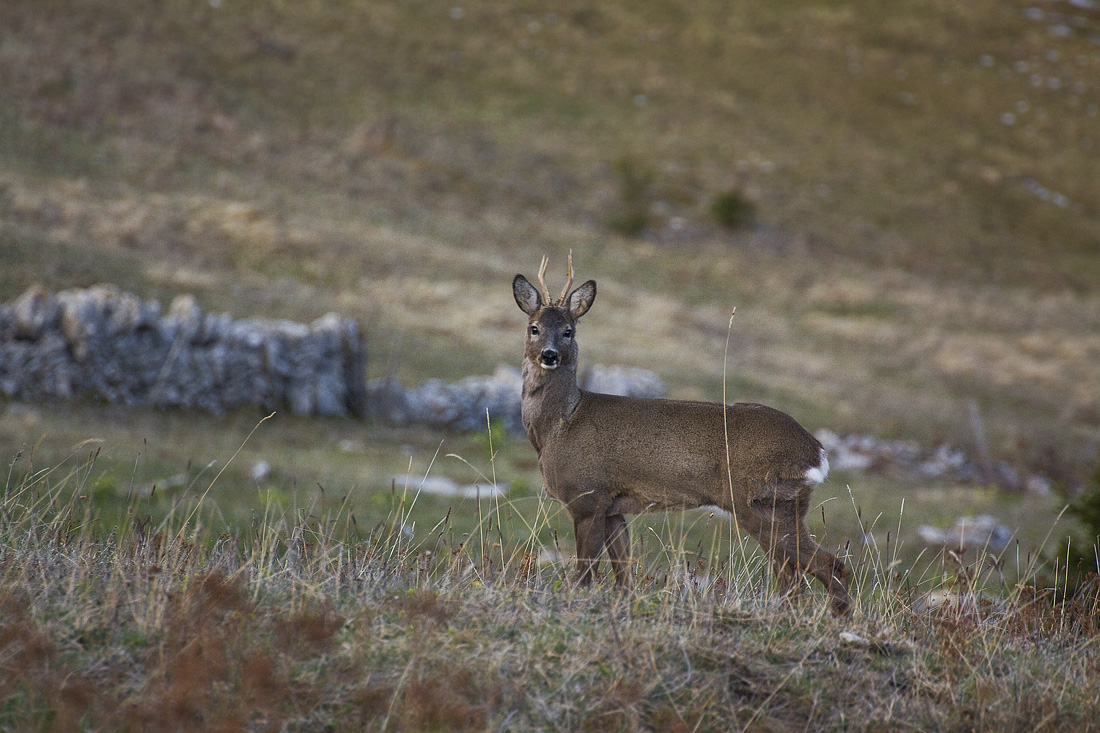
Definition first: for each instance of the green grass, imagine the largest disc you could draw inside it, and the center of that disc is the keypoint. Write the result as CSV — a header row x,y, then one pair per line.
x,y
303,617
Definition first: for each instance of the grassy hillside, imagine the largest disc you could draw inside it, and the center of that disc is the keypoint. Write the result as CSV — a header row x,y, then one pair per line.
x,y
900,203
911,248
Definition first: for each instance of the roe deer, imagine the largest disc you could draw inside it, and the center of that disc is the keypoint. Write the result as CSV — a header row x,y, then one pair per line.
x,y
604,456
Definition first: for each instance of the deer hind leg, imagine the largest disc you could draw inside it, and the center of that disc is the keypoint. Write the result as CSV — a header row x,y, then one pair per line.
x,y
617,537
770,524
788,579
787,541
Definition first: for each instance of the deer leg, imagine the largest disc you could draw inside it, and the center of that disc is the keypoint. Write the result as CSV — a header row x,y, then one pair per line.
x,y
618,548
787,579
590,534
788,574
829,569
766,524
786,539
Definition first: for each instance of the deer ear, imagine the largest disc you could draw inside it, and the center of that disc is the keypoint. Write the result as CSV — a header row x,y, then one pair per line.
x,y
527,298
580,300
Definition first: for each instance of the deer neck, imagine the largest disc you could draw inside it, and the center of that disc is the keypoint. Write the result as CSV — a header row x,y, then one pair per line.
x,y
549,399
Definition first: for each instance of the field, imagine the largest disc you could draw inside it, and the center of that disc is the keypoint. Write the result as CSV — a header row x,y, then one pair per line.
x,y
900,204
302,620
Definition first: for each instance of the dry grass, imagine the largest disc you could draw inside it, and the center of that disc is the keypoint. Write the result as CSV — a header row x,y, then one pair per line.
x,y
298,622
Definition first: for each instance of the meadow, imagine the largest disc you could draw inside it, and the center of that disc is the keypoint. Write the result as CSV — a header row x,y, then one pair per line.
x,y
900,204
304,619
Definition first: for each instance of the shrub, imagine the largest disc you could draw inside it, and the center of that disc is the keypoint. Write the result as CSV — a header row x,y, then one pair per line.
x,y
733,210
1080,552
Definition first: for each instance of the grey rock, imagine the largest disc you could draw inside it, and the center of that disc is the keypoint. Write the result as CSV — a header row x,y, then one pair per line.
x,y
968,533
32,314
443,486
622,380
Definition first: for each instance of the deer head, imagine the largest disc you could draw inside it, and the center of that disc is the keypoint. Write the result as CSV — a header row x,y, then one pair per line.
x,y
552,325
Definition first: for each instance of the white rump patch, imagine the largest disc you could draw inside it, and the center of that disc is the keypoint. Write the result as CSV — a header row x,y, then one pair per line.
x,y
820,472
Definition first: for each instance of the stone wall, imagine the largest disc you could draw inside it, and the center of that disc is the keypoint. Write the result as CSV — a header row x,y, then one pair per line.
x,y
103,343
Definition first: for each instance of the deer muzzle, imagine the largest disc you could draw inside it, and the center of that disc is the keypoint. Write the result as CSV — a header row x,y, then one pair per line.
x,y
549,359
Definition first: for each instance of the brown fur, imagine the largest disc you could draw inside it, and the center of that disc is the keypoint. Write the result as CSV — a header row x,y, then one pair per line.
x,y
604,456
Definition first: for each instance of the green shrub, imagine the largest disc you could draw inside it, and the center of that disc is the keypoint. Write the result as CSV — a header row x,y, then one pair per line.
x,y
733,210
1079,552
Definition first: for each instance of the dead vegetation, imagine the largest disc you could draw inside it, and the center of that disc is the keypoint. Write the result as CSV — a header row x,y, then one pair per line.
x,y
291,626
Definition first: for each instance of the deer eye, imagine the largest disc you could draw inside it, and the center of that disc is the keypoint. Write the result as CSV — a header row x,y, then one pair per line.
x,y
568,333
534,330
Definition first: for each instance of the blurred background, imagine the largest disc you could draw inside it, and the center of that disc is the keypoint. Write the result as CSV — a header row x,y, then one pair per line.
x,y
902,204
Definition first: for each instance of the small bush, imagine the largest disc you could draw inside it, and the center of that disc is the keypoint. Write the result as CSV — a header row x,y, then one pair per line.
x,y
733,210
1080,552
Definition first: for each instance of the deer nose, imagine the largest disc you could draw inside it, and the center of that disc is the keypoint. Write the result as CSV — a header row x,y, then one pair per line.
x,y
549,357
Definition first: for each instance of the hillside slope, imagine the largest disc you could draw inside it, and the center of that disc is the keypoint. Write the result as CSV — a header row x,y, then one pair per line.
x,y
922,184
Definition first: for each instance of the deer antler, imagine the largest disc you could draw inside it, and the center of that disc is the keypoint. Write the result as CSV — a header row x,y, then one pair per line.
x,y
569,283
546,291
542,283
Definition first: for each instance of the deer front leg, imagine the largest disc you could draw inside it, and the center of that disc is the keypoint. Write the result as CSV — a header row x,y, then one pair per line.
x,y
618,549
590,532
